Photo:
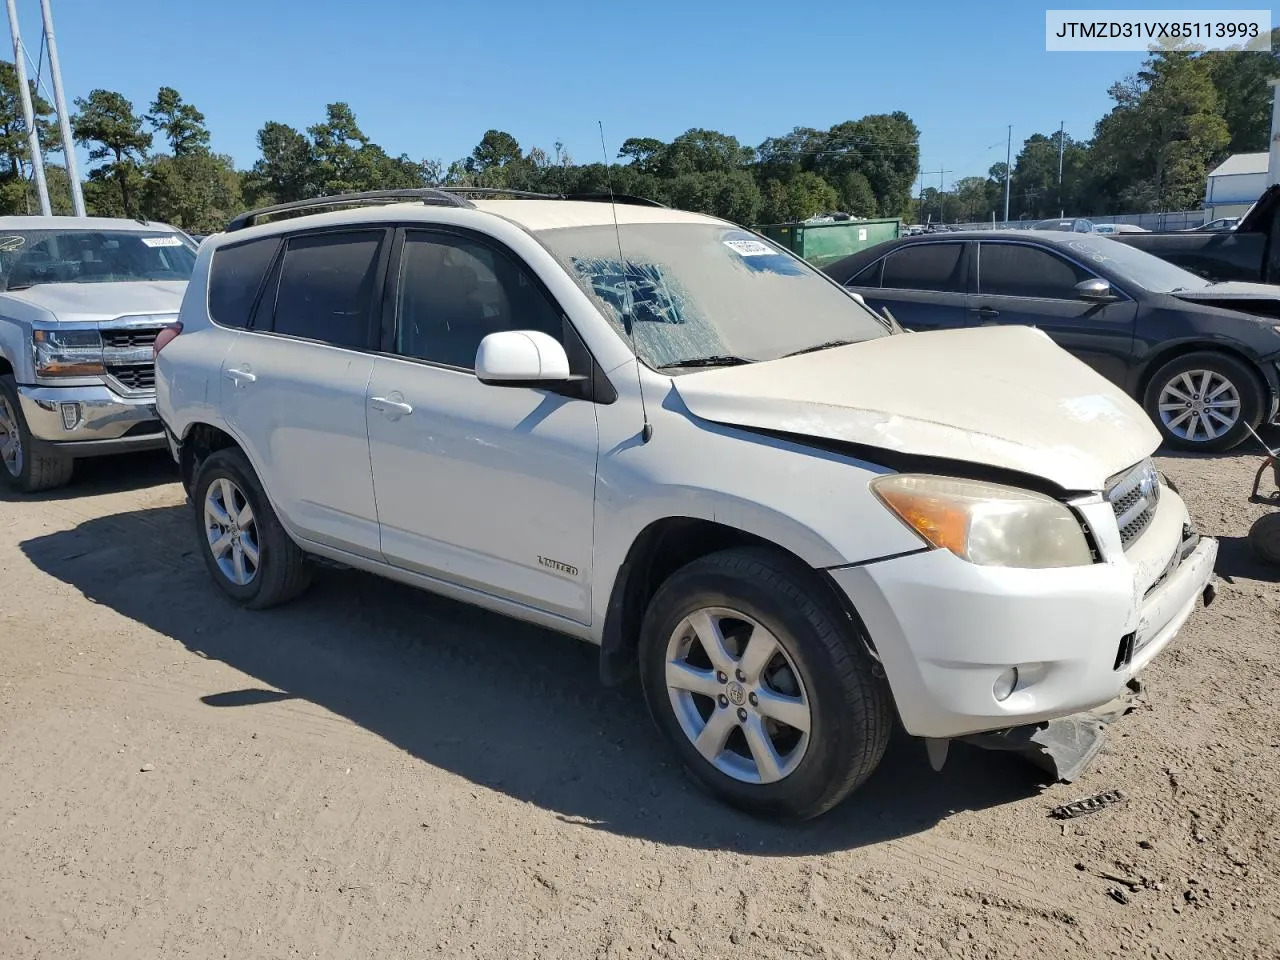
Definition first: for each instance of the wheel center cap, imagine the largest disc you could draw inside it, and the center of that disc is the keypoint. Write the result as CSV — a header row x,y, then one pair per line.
x,y
736,693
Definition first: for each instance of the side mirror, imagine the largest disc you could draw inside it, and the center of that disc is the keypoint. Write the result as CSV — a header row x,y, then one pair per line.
x,y
521,358
1094,289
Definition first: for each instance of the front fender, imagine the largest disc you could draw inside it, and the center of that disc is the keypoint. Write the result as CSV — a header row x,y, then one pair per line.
x,y
812,503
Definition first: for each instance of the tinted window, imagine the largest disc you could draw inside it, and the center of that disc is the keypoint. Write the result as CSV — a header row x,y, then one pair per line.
x,y
454,292
1015,270
234,278
925,266
326,288
867,277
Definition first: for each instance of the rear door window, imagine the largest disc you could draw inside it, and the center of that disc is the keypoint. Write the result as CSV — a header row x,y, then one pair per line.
x,y
328,286
235,276
926,266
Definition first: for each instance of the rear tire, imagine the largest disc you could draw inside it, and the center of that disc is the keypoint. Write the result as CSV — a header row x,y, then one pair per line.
x,y
245,548
737,597
21,468
1232,390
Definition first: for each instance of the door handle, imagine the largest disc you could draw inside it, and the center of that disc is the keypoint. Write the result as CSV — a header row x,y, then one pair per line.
x,y
239,377
987,314
392,406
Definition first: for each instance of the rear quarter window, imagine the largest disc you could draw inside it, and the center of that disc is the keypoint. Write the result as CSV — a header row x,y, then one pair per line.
x,y
235,277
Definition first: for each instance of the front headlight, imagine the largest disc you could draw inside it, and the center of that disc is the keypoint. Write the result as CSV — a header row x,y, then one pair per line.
x,y
67,353
986,523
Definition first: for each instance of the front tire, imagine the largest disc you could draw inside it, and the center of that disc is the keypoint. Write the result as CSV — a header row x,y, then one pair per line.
x,y
762,684
245,548
1205,401
21,468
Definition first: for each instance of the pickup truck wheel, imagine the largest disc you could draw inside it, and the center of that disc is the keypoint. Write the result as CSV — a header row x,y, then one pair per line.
x,y
247,551
1205,401
25,470
762,685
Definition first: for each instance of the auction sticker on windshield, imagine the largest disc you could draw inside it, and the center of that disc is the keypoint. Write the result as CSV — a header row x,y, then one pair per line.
x,y
162,241
749,248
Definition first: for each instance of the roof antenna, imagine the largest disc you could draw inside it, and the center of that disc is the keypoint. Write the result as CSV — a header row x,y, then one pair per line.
x,y
628,314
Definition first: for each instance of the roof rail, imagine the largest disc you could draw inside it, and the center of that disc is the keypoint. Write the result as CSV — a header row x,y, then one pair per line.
x,y
426,195
615,198
500,192
529,195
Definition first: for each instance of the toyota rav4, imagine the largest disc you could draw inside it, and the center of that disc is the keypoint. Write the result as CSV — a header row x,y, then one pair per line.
x,y
663,434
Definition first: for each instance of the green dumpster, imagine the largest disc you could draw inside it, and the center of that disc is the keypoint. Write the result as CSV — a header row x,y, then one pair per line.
x,y
824,243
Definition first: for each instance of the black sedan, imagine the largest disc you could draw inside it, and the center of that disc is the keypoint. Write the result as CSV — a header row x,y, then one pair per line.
x,y
1202,358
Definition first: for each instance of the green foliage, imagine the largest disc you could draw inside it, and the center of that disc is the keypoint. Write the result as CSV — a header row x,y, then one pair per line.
x,y
107,125
181,123
198,192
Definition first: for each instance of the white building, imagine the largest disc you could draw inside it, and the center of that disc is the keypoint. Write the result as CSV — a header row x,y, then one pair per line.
x,y
1234,184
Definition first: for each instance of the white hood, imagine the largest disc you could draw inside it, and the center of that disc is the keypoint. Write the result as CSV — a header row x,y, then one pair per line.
x,y
103,301
1001,396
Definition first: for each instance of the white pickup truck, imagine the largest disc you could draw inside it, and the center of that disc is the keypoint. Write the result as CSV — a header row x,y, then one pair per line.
x,y
82,300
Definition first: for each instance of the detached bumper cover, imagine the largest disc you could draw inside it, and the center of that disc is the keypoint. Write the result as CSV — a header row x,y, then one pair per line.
x,y
945,629
90,420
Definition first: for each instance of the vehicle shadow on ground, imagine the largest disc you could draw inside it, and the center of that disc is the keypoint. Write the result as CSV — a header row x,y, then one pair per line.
x,y
1237,561
503,704
98,475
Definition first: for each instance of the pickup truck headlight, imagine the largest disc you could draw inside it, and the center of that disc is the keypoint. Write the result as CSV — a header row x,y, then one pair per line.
x,y
67,353
986,523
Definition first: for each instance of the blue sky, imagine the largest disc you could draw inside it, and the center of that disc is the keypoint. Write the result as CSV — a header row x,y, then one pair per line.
x,y
428,79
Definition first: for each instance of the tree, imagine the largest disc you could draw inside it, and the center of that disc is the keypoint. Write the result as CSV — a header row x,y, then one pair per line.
x,y
14,153
856,196
702,151
1241,81
283,175
198,191
496,148
1154,149
643,152
181,123
884,148
107,125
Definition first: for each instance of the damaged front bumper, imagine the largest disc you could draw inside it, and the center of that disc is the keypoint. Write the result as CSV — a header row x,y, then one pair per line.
x,y
947,631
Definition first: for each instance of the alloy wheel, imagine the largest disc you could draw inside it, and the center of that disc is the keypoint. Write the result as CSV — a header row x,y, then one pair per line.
x,y
10,438
738,695
1199,406
232,531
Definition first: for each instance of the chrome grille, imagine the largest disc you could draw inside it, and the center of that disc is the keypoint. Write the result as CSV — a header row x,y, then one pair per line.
x,y
134,376
127,353
1133,496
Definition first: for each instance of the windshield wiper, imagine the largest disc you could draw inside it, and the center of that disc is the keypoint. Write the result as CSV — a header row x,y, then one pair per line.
x,y
719,360
822,346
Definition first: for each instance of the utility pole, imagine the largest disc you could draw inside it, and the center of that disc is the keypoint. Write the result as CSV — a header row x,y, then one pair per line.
x,y
60,104
941,190
1009,161
1061,140
28,113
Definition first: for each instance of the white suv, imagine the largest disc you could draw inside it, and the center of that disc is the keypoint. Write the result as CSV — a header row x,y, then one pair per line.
x,y
660,433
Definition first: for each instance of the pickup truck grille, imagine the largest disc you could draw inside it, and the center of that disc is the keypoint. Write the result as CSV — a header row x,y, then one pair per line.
x,y
127,354
1134,496
134,376
123,339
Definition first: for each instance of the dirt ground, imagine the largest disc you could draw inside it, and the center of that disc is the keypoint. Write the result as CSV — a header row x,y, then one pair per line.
x,y
375,772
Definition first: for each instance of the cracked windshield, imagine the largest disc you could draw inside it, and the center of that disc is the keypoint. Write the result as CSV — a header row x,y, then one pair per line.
x,y
693,292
